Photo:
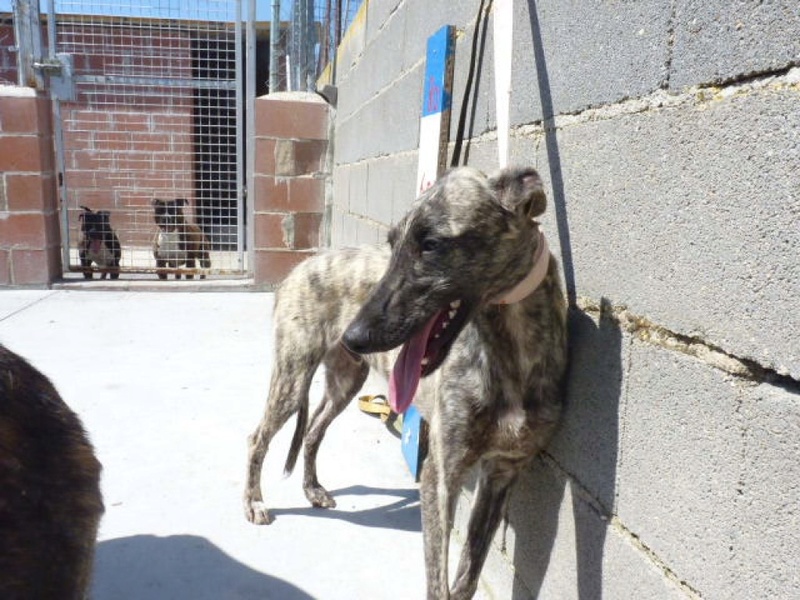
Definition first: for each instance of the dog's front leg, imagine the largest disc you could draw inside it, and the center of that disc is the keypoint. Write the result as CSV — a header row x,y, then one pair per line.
x,y
495,480
442,476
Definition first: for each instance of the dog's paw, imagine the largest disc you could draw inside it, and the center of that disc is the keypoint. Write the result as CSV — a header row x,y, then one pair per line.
x,y
319,497
257,513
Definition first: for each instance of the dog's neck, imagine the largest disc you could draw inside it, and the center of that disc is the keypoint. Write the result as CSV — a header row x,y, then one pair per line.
x,y
534,278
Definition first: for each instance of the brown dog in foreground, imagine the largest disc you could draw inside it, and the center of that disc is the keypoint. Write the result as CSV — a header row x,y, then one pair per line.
x,y
471,295
50,501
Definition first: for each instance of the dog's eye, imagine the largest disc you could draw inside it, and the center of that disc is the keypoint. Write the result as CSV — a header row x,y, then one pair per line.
x,y
430,244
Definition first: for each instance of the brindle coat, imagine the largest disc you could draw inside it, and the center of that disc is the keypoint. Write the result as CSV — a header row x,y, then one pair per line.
x,y
50,501
492,394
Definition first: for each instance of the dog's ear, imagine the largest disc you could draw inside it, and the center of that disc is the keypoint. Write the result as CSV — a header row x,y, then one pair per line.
x,y
520,190
86,209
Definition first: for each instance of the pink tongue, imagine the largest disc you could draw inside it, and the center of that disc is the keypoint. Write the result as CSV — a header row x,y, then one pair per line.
x,y
95,245
407,370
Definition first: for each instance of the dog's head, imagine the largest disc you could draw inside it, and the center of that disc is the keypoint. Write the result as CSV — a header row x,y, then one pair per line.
x,y
95,225
168,214
465,240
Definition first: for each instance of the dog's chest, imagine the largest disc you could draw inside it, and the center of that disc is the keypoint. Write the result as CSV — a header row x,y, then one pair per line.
x,y
170,246
99,252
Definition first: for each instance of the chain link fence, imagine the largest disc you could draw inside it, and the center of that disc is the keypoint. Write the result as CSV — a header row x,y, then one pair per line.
x,y
305,39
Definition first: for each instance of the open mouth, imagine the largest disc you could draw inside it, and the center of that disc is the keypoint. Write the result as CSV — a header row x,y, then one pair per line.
x,y
422,354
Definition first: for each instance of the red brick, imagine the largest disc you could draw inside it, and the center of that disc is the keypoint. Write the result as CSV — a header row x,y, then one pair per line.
x,y
5,268
307,230
306,194
300,157
26,230
269,231
22,153
90,160
271,194
291,119
272,266
30,267
87,120
133,122
265,157
30,192
19,115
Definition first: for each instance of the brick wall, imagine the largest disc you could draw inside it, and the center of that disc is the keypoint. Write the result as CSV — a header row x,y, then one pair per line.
x,y
290,181
30,251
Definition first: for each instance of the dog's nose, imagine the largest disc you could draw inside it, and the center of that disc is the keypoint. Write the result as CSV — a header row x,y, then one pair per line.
x,y
357,337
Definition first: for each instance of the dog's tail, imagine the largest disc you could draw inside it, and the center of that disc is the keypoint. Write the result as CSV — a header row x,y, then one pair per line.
x,y
297,439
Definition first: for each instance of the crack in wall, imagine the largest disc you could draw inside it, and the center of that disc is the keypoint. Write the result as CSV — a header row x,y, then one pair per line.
x,y
708,353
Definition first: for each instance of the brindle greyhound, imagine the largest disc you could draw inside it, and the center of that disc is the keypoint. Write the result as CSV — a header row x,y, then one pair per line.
x,y
471,295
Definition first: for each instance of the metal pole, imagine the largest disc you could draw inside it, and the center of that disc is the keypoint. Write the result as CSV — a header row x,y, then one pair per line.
x,y
275,47
28,33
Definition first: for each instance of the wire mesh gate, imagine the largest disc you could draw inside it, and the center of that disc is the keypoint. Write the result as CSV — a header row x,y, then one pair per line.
x,y
150,108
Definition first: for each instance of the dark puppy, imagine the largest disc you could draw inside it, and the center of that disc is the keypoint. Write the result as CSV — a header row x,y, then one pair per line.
x,y
50,501
178,242
98,244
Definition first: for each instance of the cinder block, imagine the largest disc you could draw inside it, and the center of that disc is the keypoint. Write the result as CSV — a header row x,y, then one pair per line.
x,y
767,526
688,218
358,188
573,55
718,40
587,442
391,117
680,466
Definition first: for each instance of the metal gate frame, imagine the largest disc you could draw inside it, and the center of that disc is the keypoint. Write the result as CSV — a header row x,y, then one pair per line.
x,y
68,82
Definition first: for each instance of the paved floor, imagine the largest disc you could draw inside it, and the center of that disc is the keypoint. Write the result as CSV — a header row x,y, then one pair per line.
x,y
169,385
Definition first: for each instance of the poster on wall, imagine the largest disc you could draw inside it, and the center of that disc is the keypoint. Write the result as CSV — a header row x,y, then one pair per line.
x,y
437,96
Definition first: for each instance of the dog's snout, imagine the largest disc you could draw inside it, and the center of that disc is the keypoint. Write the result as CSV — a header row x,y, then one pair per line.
x,y
357,337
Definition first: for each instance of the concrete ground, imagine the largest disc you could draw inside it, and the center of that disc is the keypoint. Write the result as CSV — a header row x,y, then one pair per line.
x,y
169,385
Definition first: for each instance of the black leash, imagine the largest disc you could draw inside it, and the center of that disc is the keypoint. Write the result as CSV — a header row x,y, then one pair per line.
x,y
475,64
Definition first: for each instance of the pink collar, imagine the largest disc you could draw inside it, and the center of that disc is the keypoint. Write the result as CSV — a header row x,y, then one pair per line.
x,y
541,261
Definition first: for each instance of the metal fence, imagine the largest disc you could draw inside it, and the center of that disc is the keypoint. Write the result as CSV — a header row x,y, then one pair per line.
x,y
305,38
150,101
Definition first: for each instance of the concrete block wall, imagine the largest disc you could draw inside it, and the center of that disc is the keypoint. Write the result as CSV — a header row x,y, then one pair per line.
x,y
30,242
667,137
291,182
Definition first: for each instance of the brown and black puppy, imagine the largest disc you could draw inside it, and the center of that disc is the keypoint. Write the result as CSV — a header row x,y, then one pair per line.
x,y
98,244
50,500
178,242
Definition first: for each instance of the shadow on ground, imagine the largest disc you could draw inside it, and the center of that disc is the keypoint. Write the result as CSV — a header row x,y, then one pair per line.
x,y
147,567
402,515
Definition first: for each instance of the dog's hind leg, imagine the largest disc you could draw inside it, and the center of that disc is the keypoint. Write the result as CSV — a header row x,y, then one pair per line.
x,y
491,496
344,376
288,394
